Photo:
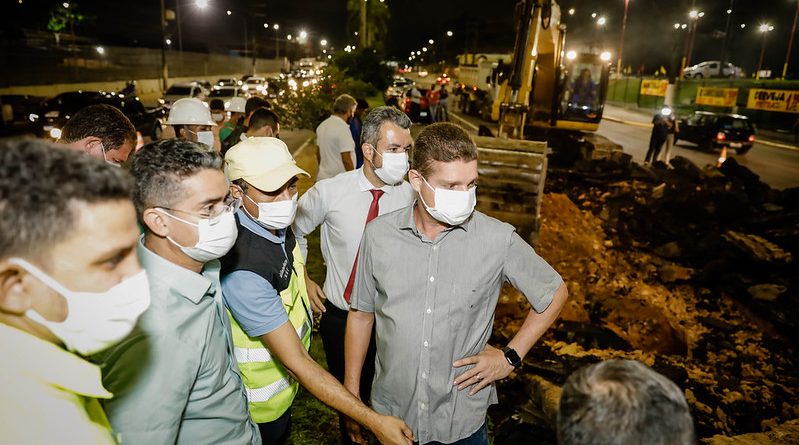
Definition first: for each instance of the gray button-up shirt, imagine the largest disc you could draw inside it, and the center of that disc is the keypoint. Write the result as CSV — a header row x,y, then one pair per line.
x,y
434,303
175,379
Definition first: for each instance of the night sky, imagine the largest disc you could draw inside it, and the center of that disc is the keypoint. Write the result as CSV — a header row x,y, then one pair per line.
x,y
650,38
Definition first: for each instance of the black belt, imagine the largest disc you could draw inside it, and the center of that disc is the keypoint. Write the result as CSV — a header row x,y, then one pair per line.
x,y
335,311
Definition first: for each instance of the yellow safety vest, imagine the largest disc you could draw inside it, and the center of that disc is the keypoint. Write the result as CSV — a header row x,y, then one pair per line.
x,y
270,389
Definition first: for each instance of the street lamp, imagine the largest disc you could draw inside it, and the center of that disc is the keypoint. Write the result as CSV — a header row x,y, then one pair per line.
x,y
449,33
202,4
790,42
431,41
276,27
621,41
323,42
726,33
601,21
764,29
694,16
303,34
571,11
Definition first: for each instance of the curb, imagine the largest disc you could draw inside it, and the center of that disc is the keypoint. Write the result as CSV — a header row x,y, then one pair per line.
x,y
645,125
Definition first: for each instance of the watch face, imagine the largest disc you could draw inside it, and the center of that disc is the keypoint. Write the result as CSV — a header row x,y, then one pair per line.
x,y
512,357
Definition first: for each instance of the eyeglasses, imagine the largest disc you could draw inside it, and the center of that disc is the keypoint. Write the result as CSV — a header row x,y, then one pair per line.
x,y
228,205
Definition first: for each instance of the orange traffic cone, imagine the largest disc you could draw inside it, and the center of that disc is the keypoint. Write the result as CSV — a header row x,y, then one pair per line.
x,y
722,156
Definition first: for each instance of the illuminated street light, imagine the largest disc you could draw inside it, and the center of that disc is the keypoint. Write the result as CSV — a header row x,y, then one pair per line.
x,y
449,33
695,16
431,41
764,29
65,4
168,41
229,12
605,56
593,15
424,48
571,11
684,25
571,55
323,42
743,25
303,34
275,26
202,4
266,25
288,37
100,50
676,26
601,21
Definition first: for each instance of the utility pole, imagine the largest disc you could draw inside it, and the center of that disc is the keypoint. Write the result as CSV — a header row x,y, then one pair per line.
x,y
621,41
790,42
362,33
164,68
726,34
180,34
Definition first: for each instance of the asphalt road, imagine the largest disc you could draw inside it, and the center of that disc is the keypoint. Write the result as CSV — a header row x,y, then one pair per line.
x,y
777,167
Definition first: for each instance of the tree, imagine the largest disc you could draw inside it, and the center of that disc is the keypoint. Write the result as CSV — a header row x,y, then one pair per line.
x,y
376,18
62,18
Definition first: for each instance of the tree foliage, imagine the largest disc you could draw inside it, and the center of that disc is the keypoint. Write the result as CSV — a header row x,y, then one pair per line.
x,y
365,65
377,17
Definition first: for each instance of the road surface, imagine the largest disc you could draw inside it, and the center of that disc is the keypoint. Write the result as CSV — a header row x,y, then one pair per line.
x,y
777,167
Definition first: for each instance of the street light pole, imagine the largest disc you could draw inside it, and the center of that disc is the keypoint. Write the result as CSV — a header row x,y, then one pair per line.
x,y
621,41
277,41
164,68
726,34
764,28
790,42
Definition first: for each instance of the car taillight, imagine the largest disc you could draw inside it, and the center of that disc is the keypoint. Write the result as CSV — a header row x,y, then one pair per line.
x,y
751,138
720,136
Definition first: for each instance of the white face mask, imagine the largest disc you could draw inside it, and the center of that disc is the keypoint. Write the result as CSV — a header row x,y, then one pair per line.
x,y
95,320
217,117
453,207
395,165
206,137
276,215
216,236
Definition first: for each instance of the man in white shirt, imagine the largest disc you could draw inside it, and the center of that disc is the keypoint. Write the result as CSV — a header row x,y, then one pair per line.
x,y
336,146
343,205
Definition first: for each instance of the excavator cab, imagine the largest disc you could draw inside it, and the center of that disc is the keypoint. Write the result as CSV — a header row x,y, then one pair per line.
x,y
580,92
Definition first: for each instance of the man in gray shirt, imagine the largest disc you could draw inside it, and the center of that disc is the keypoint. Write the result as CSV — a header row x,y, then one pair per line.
x,y
428,279
175,378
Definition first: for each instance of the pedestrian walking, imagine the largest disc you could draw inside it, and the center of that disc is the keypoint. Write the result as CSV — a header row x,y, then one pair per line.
x,y
657,138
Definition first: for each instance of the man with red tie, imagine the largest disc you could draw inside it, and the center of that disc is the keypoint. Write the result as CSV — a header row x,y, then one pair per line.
x,y
343,205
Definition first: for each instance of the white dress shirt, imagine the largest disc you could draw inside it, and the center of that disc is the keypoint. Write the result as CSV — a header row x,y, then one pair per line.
x,y
340,205
333,137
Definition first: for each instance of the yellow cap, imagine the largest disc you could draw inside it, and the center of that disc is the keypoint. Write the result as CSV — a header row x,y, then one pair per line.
x,y
263,162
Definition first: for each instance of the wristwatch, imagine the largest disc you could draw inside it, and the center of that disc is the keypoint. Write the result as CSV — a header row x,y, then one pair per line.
x,y
512,356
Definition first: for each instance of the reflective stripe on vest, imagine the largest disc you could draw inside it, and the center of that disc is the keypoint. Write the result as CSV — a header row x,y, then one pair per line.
x,y
267,392
262,355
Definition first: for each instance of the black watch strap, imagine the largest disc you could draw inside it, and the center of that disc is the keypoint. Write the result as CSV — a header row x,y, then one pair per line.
x,y
512,356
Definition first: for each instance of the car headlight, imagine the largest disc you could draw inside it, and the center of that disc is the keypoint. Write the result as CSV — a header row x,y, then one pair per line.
x,y
55,133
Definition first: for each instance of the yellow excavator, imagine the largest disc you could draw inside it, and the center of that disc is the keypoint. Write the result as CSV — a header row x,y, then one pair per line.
x,y
547,96
545,86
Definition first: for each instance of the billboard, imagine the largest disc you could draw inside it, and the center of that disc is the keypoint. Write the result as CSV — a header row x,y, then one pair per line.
x,y
717,97
786,101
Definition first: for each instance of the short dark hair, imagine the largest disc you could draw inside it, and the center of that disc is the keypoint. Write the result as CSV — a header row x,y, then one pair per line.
x,y
216,104
159,167
343,104
40,183
261,118
370,132
102,121
255,103
443,142
622,402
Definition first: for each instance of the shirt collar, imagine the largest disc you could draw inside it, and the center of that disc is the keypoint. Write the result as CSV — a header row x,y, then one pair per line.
x,y
248,223
188,284
51,364
364,185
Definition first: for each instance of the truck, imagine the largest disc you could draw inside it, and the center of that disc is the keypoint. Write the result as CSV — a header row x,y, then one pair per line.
x,y
474,73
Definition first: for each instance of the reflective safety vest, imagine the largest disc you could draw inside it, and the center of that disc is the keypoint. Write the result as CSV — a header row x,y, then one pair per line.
x,y
270,389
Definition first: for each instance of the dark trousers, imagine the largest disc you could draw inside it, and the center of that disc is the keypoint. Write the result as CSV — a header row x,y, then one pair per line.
x,y
655,144
480,437
277,431
332,329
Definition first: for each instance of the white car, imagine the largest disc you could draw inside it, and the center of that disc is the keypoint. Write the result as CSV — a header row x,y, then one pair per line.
x,y
181,90
255,85
227,93
713,68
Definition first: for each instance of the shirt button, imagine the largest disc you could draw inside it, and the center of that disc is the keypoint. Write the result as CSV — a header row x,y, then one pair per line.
x,y
432,279
429,311
422,405
426,344
424,375
435,247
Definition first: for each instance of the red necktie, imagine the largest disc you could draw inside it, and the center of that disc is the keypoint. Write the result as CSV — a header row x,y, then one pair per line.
x,y
374,208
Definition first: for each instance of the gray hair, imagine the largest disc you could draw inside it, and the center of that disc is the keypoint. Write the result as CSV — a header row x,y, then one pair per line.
x,y
344,104
622,402
370,132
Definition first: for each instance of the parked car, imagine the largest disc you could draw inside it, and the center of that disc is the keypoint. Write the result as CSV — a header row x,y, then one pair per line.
x,y
424,107
716,130
55,112
254,85
397,87
713,68
227,82
227,93
181,90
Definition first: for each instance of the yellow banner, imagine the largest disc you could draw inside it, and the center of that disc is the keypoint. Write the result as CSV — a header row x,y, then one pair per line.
x,y
719,97
654,87
774,100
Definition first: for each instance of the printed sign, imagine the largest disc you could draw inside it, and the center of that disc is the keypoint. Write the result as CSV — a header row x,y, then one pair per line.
x,y
786,101
718,97
654,87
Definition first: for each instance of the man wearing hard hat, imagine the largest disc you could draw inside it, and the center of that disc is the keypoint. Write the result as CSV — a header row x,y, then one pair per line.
x,y
191,120
237,110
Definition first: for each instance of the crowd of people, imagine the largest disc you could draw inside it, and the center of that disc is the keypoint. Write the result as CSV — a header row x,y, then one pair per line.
x,y
168,301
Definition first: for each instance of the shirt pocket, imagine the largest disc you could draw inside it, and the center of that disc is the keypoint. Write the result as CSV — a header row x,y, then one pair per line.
x,y
468,304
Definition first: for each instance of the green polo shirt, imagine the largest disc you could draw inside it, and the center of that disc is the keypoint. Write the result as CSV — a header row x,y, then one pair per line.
x,y
175,379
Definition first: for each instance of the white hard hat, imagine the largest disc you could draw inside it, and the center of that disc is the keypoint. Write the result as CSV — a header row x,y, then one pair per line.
x,y
189,111
237,105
